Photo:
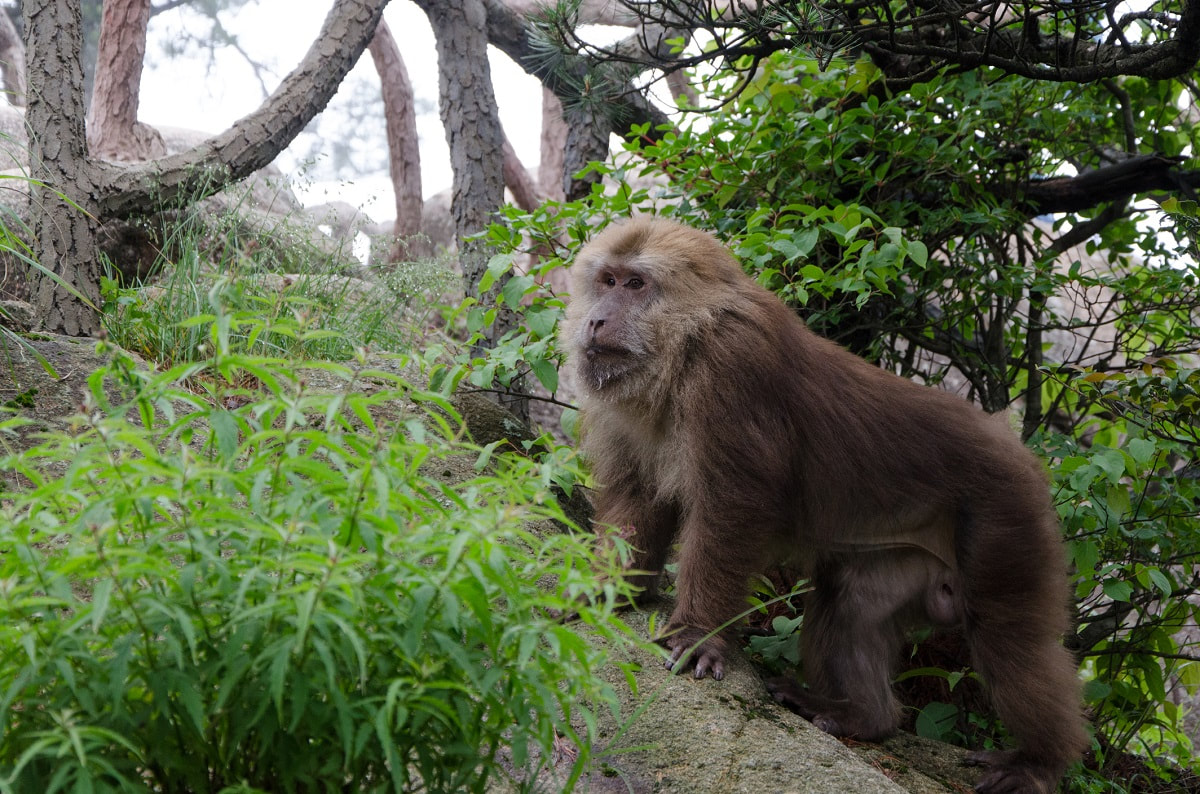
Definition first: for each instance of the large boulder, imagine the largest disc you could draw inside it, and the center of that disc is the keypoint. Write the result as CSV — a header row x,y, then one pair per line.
x,y
680,735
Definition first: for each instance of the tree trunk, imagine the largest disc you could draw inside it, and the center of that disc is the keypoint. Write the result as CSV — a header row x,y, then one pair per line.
x,y
588,129
64,237
404,155
64,234
554,143
472,123
113,131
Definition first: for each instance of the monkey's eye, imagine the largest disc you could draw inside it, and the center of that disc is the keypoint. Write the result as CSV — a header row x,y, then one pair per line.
x,y
635,283
608,280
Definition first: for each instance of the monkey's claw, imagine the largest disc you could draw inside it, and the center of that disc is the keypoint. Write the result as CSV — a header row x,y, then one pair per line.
x,y
689,649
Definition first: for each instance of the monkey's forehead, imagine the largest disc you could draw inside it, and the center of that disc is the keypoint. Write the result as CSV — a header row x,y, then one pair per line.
x,y
658,246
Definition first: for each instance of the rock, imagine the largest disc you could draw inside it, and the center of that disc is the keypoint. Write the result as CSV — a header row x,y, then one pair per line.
x,y
697,737
47,399
489,422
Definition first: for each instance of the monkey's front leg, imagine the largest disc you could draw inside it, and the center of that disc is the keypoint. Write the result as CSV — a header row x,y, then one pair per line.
x,y
716,561
647,525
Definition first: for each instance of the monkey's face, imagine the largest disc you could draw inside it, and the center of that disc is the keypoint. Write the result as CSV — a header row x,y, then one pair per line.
x,y
611,336
637,289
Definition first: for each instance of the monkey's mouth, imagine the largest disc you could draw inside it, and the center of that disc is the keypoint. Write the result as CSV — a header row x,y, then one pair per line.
x,y
602,351
605,365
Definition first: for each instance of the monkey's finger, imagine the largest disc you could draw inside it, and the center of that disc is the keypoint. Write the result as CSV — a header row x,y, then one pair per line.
x,y
672,660
707,662
710,664
680,658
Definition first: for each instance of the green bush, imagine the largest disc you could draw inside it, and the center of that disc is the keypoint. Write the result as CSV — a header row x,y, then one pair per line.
x,y
1130,503
271,589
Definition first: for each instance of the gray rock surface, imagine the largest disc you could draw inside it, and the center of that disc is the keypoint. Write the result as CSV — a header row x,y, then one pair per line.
x,y
697,737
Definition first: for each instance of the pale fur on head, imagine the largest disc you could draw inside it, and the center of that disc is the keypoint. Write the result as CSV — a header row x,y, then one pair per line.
x,y
682,262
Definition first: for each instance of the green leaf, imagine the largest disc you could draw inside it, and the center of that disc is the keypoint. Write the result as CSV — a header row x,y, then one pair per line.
x,y
546,373
936,720
1160,581
1117,500
570,422
476,316
1189,675
1086,554
1112,462
1118,590
497,266
805,240
225,432
100,600
1096,690
541,321
515,288
918,253
1141,450
785,247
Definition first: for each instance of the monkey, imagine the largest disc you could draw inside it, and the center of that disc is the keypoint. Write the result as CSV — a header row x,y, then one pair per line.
x,y
711,414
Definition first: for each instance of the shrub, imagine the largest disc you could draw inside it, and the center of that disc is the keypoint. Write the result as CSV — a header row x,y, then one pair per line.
x,y
271,589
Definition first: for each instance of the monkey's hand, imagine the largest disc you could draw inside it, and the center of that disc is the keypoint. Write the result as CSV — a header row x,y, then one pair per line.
x,y
1010,773
690,646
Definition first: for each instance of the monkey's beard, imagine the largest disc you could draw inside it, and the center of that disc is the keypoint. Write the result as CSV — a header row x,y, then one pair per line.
x,y
606,370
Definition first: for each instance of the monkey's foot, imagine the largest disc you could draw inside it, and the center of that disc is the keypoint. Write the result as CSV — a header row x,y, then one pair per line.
x,y
1010,772
838,717
691,647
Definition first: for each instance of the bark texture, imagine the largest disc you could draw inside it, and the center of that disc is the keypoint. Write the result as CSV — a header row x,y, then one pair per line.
x,y
554,143
476,139
471,121
64,229
64,235
113,131
404,155
588,128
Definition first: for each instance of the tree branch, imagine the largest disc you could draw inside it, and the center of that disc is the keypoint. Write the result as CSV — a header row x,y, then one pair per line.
x,y
1140,174
1085,45
254,141
513,35
404,155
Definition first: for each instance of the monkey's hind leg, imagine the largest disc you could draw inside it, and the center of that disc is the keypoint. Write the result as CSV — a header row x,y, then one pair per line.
x,y
1014,625
849,643
1031,679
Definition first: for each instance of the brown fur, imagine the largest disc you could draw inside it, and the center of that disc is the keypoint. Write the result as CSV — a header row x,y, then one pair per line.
x,y
712,414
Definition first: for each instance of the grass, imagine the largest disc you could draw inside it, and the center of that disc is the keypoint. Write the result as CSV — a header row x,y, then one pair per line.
x,y
304,302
